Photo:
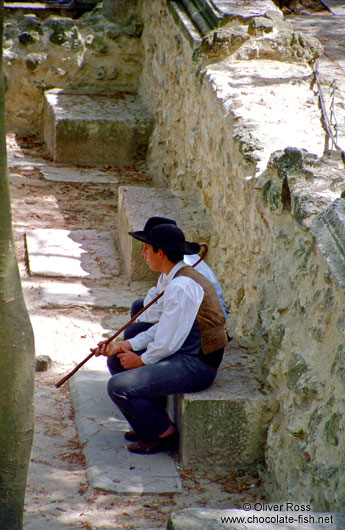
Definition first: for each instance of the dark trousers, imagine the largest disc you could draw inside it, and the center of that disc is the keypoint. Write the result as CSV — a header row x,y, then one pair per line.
x,y
141,393
137,327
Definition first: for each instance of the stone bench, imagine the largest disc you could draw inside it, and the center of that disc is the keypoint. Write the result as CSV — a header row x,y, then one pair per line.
x,y
224,426
136,204
95,128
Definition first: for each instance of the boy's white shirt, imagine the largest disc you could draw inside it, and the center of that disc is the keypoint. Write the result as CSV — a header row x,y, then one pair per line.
x,y
153,313
179,308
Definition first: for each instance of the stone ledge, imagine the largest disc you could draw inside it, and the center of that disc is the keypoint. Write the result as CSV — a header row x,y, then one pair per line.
x,y
329,232
186,26
136,204
224,426
198,17
221,11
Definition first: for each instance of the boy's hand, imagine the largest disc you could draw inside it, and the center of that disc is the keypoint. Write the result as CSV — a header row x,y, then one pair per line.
x,y
112,348
130,360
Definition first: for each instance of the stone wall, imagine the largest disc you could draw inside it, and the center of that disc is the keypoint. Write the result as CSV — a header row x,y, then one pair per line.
x,y
224,125
91,53
300,320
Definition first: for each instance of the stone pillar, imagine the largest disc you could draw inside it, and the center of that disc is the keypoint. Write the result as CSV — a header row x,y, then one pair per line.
x,y
120,10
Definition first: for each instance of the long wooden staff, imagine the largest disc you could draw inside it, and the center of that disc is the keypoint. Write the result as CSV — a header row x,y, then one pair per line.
x,y
66,377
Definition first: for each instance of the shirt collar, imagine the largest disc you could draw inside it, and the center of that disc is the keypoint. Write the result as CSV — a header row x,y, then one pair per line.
x,y
174,270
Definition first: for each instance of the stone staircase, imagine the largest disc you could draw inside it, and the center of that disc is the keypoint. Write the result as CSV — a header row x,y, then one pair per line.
x,y
224,426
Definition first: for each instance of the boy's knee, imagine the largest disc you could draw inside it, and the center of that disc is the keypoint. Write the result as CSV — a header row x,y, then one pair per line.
x,y
130,332
114,387
137,306
123,385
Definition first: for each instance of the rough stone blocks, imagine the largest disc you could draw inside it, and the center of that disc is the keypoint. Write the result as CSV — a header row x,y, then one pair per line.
x,y
137,204
328,228
224,426
94,128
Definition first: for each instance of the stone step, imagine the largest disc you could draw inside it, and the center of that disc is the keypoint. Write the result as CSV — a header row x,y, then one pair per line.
x,y
224,427
136,204
95,128
101,426
89,254
60,294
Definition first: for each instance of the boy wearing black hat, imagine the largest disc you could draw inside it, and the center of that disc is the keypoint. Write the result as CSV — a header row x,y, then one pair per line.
x,y
180,353
153,313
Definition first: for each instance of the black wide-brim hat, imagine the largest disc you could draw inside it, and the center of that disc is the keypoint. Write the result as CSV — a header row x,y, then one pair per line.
x,y
167,237
151,223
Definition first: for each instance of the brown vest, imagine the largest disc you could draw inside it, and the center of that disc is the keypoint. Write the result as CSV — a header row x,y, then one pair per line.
x,y
210,317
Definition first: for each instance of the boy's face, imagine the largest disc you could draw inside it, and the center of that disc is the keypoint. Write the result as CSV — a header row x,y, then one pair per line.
x,y
152,258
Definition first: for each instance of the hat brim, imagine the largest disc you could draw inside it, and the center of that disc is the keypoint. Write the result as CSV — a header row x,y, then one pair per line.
x,y
189,247
141,235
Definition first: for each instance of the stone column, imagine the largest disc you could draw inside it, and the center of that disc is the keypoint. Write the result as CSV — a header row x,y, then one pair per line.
x,y
120,10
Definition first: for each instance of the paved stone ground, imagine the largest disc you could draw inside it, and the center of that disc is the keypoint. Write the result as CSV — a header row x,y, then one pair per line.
x,y
110,466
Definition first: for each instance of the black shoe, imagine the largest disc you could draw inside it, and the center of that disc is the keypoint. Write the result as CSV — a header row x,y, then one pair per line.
x,y
130,436
157,445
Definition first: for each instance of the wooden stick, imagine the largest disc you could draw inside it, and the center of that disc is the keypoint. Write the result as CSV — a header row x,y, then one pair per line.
x,y
110,339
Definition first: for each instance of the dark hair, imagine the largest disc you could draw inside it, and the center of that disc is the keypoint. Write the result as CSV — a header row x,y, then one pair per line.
x,y
173,255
